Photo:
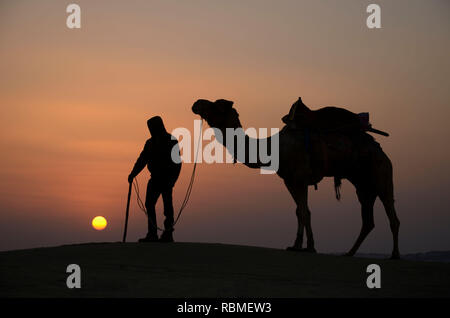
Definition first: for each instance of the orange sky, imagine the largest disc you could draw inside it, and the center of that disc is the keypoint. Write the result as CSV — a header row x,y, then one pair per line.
x,y
74,104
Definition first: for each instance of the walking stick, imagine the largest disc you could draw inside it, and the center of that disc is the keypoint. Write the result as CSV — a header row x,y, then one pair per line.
x,y
126,215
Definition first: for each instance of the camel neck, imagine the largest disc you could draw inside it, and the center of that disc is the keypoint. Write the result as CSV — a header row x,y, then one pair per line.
x,y
243,148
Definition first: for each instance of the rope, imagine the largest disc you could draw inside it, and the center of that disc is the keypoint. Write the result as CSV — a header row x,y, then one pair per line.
x,y
141,204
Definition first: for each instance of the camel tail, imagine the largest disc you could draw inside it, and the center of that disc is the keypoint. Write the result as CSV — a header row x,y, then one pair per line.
x,y
337,187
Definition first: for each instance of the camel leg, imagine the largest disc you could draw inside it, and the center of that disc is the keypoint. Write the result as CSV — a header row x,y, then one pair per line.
x,y
309,234
367,200
300,226
386,194
300,229
300,195
394,223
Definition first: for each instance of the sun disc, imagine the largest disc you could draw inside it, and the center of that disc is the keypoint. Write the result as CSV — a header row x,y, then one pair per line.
x,y
99,223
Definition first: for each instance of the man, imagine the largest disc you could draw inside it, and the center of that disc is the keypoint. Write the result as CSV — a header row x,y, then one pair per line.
x,y
157,156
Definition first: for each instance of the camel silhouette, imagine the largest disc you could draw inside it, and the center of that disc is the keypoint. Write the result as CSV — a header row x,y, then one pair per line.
x,y
306,157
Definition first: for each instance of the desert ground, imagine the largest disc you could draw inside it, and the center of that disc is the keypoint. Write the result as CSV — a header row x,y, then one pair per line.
x,y
210,270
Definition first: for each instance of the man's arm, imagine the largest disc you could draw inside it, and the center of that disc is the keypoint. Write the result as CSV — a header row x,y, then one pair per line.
x,y
176,162
140,164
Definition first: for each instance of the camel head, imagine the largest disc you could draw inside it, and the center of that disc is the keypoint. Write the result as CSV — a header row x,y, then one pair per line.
x,y
219,114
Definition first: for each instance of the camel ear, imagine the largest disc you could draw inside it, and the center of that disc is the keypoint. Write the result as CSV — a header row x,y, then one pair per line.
x,y
300,99
224,104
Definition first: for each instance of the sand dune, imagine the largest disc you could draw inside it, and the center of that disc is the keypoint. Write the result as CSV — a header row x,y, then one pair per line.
x,y
209,270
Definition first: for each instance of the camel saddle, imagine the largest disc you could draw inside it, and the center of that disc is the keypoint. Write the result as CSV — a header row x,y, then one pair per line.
x,y
328,120
335,138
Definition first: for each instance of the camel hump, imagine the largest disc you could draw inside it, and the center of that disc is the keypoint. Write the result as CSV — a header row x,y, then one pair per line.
x,y
324,119
328,119
335,118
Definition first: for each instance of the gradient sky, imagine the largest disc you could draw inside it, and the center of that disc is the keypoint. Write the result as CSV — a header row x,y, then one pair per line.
x,y
74,105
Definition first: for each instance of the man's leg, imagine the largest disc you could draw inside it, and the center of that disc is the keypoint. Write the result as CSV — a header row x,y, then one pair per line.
x,y
168,213
153,193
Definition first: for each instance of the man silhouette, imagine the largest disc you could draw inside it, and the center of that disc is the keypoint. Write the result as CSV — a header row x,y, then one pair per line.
x,y
164,170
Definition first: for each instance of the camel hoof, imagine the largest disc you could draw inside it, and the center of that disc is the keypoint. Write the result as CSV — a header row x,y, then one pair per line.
x,y
310,250
348,255
395,257
302,250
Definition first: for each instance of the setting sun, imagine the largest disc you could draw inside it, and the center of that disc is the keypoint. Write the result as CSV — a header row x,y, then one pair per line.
x,y
99,223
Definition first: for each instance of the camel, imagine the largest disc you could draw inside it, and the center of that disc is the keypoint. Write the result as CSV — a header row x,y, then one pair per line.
x,y
302,163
